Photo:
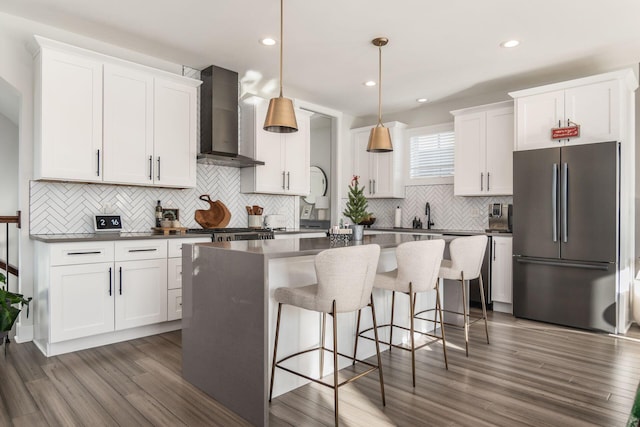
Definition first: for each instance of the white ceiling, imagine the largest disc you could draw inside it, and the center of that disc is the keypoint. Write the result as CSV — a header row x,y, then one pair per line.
x,y
438,50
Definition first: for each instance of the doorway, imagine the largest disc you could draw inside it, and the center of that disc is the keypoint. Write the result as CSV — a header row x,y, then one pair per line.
x,y
9,147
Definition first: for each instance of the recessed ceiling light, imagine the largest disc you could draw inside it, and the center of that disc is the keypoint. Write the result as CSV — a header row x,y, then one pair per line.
x,y
510,43
268,41
421,100
369,83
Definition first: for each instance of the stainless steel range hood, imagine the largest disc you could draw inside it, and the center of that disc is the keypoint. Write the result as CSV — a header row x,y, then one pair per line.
x,y
219,119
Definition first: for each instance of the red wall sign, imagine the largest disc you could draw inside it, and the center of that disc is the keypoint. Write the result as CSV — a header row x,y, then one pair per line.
x,y
568,132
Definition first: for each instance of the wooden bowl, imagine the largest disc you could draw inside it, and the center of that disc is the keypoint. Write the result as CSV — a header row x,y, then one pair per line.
x,y
368,222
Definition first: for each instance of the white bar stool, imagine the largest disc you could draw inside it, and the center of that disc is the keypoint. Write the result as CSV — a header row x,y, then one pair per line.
x,y
345,281
467,254
418,266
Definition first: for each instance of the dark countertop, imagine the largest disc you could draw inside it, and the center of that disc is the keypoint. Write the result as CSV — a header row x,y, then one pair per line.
x,y
441,231
303,246
96,237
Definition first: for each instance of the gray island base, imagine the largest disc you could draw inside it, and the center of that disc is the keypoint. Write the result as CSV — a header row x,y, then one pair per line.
x,y
229,314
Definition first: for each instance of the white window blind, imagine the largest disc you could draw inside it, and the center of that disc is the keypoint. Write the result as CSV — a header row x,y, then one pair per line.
x,y
431,155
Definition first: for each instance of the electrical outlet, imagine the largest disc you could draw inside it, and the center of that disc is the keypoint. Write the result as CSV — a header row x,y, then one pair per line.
x,y
475,212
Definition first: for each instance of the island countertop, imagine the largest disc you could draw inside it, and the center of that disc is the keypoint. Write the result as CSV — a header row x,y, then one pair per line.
x,y
303,246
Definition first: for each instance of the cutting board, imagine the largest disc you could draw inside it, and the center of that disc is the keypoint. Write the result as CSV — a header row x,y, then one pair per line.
x,y
217,216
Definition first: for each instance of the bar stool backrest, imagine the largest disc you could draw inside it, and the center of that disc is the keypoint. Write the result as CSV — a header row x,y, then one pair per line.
x,y
467,254
346,275
419,264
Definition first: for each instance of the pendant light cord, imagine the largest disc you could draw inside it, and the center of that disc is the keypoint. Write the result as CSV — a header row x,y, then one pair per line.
x,y
380,85
281,41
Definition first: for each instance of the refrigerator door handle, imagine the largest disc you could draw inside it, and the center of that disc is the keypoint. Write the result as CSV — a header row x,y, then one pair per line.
x,y
565,205
588,266
554,202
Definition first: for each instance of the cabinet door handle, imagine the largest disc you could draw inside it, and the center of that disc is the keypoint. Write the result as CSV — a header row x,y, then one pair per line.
x,y
370,191
110,281
84,253
283,180
488,175
481,181
494,249
143,250
554,202
374,186
120,280
565,202
288,180
150,168
158,168
98,164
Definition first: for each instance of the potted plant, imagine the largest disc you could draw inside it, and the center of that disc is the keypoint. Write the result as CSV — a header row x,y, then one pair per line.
x,y
8,310
356,209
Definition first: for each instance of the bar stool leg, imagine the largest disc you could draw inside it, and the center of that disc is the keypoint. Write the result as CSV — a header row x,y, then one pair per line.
x,y
322,332
355,347
484,309
393,304
466,318
412,306
275,351
375,334
335,360
439,312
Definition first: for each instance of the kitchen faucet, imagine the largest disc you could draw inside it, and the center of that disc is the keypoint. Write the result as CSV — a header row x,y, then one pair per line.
x,y
427,212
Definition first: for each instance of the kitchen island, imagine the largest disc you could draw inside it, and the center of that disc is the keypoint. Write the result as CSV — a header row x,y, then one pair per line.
x,y
229,315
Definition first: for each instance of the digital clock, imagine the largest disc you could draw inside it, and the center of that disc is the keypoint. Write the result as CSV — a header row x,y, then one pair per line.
x,y
107,222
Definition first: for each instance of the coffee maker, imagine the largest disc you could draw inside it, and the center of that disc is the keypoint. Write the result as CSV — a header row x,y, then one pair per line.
x,y
500,217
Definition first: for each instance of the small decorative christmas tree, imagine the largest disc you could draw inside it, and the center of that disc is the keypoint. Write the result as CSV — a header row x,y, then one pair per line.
x,y
356,209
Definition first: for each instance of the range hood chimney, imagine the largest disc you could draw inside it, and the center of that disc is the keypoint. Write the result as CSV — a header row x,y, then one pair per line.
x,y
219,119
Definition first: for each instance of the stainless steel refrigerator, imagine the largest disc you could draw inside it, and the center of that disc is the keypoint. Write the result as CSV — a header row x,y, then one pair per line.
x,y
566,235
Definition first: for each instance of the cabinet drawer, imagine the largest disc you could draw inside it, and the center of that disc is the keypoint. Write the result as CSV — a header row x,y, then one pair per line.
x,y
175,245
174,273
81,253
131,250
174,306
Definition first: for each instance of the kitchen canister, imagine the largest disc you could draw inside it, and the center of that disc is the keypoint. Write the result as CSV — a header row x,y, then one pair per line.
x,y
397,223
255,221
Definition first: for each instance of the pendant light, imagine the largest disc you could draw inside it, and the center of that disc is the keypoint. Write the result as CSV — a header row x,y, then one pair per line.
x,y
281,118
380,137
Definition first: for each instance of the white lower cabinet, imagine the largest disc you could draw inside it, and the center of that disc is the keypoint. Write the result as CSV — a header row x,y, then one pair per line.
x,y
141,298
81,300
174,275
95,293
501,273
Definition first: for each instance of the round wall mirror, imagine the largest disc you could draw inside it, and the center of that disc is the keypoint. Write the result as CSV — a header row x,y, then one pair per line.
x,y
318,187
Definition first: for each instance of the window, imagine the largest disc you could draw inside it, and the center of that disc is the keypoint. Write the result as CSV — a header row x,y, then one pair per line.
x,y
431,155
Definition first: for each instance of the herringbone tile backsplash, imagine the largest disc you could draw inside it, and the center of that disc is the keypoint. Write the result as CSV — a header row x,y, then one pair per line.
x,y
447,211
69,207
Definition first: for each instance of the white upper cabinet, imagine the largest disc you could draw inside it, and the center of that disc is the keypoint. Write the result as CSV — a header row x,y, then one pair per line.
x,y
483,150
101,119
175,145
380,173
68,117
594,103
286,158
128,125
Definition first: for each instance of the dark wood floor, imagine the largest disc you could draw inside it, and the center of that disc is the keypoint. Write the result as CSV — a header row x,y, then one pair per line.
x,y
532,374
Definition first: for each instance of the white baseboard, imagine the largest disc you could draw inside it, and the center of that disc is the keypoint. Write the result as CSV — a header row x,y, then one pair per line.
x,y
503,307
24,333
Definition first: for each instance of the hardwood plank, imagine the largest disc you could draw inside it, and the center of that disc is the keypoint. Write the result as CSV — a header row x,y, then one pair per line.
x,y
109,398
53,408
30,420
77,396
155,412
14,393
